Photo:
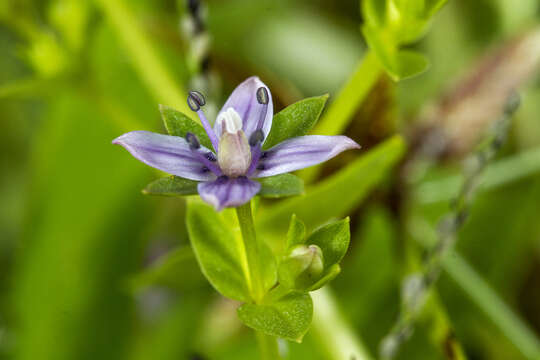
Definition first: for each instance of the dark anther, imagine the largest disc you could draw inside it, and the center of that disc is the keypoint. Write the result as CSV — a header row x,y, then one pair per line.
x,y
195,100
256,138
260,167
262,95
192,141
205,169
264,154
223,178
210,156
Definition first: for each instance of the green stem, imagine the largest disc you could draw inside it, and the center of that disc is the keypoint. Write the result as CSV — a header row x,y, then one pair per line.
x,y
350,97
245,219
267,344
148,65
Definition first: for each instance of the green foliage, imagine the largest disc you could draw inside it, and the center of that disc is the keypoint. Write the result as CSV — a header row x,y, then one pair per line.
x,y
390,24
337,195
171,186
311,262
280,186
295,120
288,317
219,251
179,124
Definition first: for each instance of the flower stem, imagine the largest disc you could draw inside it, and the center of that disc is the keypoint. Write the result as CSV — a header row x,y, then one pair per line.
x,y
251,245
267,344
350,97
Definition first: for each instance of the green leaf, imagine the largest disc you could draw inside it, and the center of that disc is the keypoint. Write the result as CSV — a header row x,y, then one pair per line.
x,y
171,186
374,12
179,124
218,249
410,63
432,6
281,185
336,195
297,232
288,318
295,120
328,276
333,239
383,46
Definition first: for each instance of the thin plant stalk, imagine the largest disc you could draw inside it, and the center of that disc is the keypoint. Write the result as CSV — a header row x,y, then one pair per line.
x,y
350,97
148,65
268,345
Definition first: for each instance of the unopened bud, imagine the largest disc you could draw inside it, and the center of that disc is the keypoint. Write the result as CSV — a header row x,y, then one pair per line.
x,y
302,267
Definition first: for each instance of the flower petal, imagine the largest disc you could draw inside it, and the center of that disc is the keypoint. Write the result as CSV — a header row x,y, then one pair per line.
x,y
228,192
244,101
171,154
301,152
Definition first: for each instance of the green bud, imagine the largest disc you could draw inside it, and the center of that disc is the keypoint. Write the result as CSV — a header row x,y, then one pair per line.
x,y
302,267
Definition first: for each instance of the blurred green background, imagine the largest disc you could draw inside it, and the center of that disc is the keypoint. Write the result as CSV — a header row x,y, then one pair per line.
x,y
92,269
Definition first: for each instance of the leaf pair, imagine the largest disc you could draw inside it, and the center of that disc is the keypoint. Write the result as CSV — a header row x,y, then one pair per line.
x,y
217,242
287,310
390,24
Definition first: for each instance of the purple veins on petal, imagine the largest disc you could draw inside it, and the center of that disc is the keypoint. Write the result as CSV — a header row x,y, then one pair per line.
x,y
244,101
301,152
228,192
170,154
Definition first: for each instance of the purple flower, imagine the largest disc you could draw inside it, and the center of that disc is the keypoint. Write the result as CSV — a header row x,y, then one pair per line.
x,y
226,171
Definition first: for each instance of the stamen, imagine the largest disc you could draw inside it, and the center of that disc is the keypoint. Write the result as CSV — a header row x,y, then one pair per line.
x,y
208,159
195,100
262,98
257,137
210,156
192,140
262,95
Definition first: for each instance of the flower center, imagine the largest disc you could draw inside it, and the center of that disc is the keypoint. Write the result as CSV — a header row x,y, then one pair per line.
x,y
234,154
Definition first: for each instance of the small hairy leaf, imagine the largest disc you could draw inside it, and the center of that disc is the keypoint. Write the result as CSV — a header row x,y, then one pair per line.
x,y
179,124
171,186
281,185
218,250
295,120
333,239
288,318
